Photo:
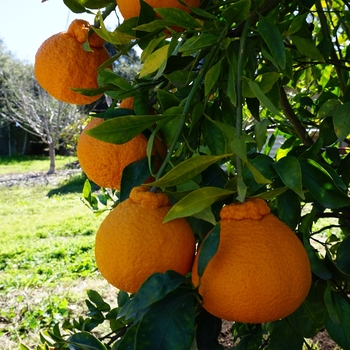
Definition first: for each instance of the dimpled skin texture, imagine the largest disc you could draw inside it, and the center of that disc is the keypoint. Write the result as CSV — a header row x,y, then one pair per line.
x,y
104,162
61,63
261,271
131,8
132,242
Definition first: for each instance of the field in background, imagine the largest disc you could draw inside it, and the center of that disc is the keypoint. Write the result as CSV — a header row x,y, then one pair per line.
x,y
46,250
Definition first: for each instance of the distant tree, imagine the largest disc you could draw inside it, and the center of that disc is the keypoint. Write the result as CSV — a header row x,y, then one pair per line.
x,y
24,102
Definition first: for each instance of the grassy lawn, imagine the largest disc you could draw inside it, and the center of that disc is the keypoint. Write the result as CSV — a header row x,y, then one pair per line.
x,y
20,165
46,253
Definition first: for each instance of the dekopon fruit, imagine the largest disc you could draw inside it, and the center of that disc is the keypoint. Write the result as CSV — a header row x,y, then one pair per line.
x,y
260,272
131,8
133,242
61,63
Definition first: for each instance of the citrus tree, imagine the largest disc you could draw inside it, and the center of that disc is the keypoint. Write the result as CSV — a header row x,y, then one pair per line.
x,y
222,84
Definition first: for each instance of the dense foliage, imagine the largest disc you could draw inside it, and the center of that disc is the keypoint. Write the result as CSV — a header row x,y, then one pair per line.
x,y
238,77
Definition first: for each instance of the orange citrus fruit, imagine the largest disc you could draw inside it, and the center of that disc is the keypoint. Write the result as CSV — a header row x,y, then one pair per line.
x,y
61,63
104,162
132,242
127,103
260,272
131,8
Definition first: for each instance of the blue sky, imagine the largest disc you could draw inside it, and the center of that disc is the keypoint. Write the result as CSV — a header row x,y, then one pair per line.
x,y
25,24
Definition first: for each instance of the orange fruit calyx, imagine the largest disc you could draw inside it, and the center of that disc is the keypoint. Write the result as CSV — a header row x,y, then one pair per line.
x,y
253,208
79,29
147,199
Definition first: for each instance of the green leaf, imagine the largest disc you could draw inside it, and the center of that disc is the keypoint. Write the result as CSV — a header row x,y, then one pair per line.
x,y
341,120
196,201
86,341
196,43
96,298
154,61
339,331
289,208
283,336
211,77
94,4
74,6
169,323
273,39
206,215
343,256
258,176
208,249
178,17
307,320
263,98
296,24
237,11
187,170
122,129
167,100
307,48
156,287
208,331
127,342
321,185
265,81
289,170
134,174
107,76
260,132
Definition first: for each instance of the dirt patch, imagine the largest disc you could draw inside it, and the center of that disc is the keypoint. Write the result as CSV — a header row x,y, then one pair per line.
x,y
37,178
322,339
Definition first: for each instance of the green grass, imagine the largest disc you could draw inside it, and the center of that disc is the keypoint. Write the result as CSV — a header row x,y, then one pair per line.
x,y
46,249
20,165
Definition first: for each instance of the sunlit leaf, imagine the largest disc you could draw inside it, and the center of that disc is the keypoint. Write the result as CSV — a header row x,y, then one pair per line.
x,y
196,201
187,170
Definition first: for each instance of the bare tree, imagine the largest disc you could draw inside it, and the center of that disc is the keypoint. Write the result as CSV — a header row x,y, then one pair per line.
x,y
34,110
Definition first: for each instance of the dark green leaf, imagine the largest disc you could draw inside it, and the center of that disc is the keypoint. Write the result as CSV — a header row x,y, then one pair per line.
x,y
74,6
288,168
96,298
289,208
307,320
207,331
122,129
84,340
238,11
211,77
321,185
283,336
343,256
273,39
178,17
307,48
208,249
169,323
338,328
156,287
263,98
134,174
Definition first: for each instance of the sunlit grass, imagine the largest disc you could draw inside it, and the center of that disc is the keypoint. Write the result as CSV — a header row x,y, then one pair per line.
x,y
15,165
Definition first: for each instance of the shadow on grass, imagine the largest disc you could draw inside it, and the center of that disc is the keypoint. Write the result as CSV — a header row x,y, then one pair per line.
x,y
74,184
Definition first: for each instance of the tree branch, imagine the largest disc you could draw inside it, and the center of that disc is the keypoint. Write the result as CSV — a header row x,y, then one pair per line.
x,y
292,117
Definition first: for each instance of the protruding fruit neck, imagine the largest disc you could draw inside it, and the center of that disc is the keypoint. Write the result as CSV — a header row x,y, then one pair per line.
x,y
143,196
253,208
